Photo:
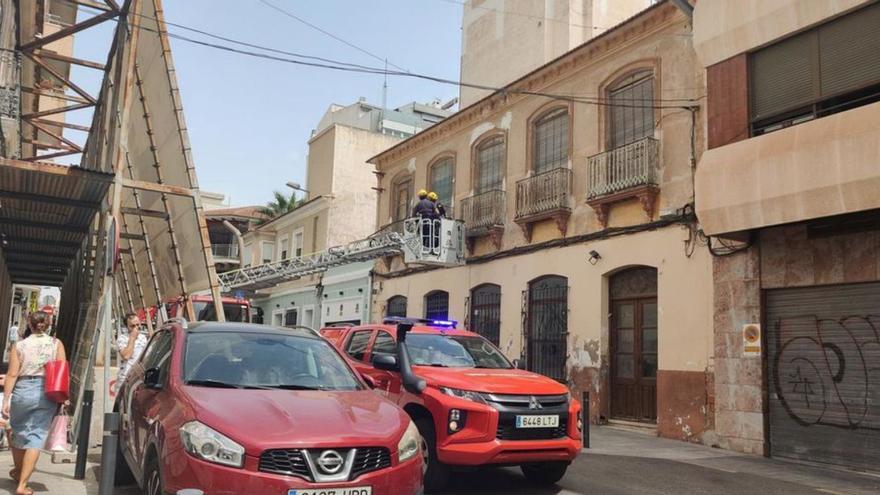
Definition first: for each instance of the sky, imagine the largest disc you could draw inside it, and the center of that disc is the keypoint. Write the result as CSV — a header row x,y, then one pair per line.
x,y
249,119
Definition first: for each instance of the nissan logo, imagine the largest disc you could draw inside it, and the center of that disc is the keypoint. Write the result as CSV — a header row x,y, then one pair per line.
x,y
330,461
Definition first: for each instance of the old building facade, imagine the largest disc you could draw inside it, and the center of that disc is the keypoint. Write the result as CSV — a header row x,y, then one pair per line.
x,y
583,259
789,190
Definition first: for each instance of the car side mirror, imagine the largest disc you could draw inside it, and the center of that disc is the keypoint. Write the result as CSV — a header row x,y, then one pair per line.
x,y
152,379
385,362
519,364
371,382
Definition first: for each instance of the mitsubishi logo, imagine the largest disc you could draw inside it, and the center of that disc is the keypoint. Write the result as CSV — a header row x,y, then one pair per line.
x,y
330,461
534,404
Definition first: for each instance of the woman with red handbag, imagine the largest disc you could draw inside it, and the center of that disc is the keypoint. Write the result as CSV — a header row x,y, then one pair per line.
x,y
26,402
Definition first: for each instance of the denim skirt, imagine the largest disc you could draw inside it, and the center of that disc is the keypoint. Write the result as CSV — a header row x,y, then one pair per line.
x,y
30,413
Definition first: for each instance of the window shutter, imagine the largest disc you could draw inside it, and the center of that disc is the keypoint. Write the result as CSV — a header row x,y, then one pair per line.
x,y
783,76
850,52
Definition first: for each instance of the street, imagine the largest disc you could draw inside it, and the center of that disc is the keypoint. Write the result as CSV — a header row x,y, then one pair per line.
x,y
619,462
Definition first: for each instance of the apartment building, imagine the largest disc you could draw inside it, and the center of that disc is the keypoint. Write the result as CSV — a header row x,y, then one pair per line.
x,y
789,189
340,207
583,258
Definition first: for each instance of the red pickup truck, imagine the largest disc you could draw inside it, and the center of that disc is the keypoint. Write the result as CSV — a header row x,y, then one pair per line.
x,y
471,405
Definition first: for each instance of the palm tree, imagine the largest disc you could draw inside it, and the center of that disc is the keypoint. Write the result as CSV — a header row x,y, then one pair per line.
x,y
280,205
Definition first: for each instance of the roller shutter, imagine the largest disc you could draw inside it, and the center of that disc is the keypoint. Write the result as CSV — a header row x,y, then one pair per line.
x,y
849,52
823,352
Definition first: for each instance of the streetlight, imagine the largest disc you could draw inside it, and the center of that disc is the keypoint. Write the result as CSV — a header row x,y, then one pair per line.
x,y
297,187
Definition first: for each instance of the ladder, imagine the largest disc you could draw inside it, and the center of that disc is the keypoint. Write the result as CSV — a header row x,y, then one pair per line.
x,y
422,241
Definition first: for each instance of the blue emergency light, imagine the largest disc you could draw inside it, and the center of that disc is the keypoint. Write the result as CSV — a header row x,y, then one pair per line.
x,y
421,321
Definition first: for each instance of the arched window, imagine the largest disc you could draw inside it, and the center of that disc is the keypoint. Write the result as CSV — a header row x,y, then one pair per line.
x,y
489,165
485,314
441,180
437,305
550,141
401,197
548,325
396,306
631,114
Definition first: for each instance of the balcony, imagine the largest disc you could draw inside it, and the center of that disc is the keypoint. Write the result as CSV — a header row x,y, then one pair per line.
x,y
544,196
484,214
626,172
225,253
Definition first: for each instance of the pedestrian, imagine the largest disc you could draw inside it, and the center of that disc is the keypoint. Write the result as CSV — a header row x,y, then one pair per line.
x,y
130,344
25,403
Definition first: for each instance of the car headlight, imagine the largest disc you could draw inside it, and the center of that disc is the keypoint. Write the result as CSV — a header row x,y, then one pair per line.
x,y
210,445
464,394
408,446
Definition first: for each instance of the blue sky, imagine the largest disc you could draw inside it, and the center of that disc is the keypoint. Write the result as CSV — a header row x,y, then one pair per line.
x,y
249,119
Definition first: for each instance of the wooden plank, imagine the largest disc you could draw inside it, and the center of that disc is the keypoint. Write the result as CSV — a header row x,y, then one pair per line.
x,y
63,124
41,198
141,212
70,60
63,33
132,237
55,169
156,187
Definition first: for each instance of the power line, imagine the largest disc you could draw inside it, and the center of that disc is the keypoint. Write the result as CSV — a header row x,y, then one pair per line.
x,y
328,33
347,67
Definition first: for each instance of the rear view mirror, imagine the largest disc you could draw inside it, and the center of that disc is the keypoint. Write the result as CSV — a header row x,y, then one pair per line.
x,y
369,380
152,378
519,364
385,362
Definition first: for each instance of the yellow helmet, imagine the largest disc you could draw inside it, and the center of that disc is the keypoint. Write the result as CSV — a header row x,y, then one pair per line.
x,y
432,196
422,193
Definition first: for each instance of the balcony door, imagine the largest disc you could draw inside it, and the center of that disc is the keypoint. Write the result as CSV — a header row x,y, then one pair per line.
x,y
631,115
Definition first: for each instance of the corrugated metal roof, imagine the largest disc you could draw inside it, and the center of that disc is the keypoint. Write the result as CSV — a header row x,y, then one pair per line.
x,y
46,211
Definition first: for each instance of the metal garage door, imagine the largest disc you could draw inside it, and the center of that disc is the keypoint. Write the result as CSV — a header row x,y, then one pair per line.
x,y
823,351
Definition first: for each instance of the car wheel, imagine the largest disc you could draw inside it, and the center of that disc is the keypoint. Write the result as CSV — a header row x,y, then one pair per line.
x,y
123,474
153,479
435,473
544,473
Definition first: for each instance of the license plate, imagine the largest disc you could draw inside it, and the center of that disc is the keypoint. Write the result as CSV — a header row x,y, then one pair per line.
x,y
537,421
355,490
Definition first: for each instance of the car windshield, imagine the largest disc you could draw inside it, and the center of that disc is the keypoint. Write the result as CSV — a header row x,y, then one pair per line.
x,y
257,360
454,351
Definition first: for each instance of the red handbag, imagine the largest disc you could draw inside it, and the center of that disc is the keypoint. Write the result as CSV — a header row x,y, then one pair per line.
x,y
57,386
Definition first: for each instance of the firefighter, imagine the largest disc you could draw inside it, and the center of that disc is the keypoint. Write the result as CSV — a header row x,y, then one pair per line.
x,y
427,212
441,210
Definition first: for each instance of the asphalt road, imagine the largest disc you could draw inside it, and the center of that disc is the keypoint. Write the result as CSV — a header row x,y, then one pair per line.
x,y
613,475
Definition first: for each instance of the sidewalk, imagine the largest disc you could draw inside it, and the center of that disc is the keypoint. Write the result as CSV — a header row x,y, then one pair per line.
x,y
53,478
623,442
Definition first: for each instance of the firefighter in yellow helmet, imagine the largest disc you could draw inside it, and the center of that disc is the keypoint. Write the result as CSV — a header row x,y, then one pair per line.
x,y
425,207
440,209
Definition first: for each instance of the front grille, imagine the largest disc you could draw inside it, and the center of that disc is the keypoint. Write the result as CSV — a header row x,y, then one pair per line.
x,y
285,461
370,459
521,402
507,430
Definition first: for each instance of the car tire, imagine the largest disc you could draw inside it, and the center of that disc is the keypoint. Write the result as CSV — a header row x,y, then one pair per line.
x,y
544,473
436,474
123,476
153,478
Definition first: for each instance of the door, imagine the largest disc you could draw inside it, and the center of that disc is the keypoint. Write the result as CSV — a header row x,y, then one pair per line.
x,y
386,381
823,365
548,326
634,345
145,400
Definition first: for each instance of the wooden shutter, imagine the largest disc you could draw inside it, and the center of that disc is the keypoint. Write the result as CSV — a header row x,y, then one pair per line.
x,y
849,52
783,76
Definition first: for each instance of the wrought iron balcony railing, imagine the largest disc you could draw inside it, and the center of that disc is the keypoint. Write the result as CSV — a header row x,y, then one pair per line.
x,y
481,212
544,193
625,167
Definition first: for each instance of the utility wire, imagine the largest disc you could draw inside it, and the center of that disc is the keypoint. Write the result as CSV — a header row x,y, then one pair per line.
x,y
331,64
328,33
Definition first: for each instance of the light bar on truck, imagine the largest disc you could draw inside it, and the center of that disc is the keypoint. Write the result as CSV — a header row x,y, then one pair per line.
x,y
393,320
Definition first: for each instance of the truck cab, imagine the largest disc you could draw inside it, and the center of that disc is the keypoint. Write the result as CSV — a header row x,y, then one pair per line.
x,y
472,406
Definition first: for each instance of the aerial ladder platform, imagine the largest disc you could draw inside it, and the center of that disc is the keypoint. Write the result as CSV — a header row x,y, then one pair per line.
x,y
423,241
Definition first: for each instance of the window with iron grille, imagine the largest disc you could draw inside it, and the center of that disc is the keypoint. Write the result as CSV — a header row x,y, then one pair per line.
x,y
290,316
548,326
442,180
396,306
485,317
551,141
437,305
401,198
825,70
489,172
631,111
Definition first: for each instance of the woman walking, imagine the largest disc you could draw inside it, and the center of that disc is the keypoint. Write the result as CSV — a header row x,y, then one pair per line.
x,y
25,402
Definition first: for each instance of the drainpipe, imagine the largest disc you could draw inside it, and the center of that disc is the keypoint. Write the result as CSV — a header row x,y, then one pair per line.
x,y
685,7
238,240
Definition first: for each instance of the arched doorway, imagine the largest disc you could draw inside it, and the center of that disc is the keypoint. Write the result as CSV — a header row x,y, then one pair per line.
x,y
634,344
548,326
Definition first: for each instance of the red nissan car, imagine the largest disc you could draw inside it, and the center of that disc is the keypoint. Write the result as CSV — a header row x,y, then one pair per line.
x,y
234,408
471,405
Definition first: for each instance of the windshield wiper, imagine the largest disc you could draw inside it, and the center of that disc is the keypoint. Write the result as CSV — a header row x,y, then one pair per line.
x,y
211,383
437,365
292,386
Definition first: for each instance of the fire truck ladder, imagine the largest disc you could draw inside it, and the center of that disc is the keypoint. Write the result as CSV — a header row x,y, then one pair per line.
x,y
423,241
